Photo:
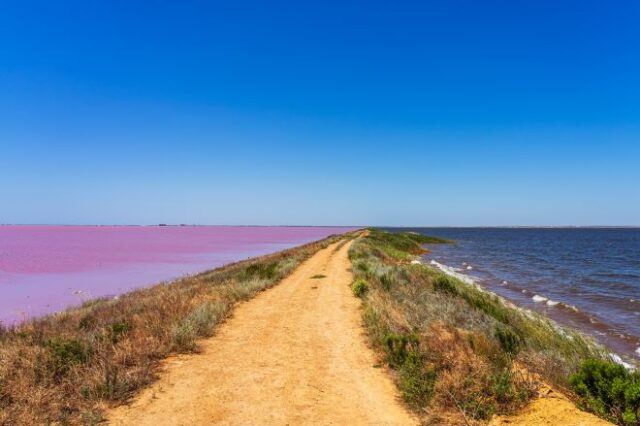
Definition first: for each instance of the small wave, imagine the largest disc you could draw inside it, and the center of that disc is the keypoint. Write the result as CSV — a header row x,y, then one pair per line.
x,y
505,282
536,298
454,273
469,267
618,360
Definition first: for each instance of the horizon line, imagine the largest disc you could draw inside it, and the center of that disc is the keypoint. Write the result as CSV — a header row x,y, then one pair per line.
x,y
329,226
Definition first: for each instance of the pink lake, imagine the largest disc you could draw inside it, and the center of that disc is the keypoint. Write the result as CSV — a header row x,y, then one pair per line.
x,y
44,269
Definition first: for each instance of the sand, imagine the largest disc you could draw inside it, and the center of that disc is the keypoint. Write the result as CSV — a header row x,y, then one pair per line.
x,y
550,408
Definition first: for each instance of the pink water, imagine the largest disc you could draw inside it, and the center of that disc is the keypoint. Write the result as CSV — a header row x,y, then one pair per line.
x,y
44,269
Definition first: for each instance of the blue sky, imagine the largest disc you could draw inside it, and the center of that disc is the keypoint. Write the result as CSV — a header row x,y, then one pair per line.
x,y
372,113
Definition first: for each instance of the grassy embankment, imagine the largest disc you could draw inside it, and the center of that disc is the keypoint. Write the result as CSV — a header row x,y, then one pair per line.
x,y
461,354
66,368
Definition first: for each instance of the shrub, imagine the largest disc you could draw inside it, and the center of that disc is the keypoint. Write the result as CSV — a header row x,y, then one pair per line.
x,y
416,381
509,341
502,386
112,387
396,346
65,353
609,390
362,267
183,336
360,287
198,323
445,284
264,271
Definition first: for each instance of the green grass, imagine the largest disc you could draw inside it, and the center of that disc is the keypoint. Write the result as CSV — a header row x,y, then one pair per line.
x,y
400,246
462,341
360,287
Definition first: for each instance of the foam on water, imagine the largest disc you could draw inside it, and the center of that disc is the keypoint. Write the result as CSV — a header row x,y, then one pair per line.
x,y
454,273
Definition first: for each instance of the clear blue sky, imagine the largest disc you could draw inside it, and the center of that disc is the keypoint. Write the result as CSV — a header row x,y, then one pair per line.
x,y
384,113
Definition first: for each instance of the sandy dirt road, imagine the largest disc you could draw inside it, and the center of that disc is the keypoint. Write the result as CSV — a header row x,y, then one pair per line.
x,y
293,355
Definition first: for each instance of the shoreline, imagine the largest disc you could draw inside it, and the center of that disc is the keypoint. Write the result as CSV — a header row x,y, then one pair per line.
x,y
630,362
624,350
46,269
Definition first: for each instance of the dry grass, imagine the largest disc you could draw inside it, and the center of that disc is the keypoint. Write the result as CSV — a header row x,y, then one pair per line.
x,y
453,346
65,368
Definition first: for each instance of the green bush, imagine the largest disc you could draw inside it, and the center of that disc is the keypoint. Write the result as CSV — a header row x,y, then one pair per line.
x,y
263,271
509,341
502,386
397,347
360,287
445,284
362,267
64,353
609,390
416,383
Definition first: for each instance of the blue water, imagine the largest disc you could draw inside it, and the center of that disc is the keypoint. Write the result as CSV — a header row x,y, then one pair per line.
x,y
586,278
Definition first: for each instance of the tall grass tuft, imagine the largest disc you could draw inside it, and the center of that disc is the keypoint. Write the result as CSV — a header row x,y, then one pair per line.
x,y
360,287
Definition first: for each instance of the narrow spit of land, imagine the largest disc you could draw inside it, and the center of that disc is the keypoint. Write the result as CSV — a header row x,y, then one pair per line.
x,y
295,354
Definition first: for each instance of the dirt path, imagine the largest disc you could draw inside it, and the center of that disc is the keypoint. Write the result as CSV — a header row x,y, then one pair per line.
x,y
295,354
